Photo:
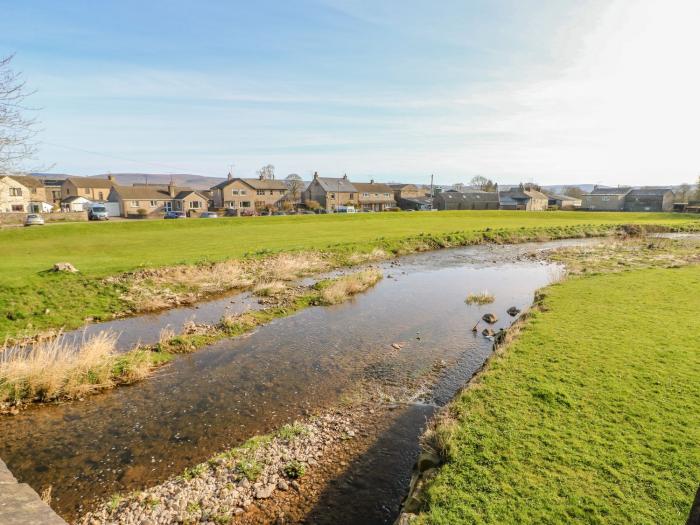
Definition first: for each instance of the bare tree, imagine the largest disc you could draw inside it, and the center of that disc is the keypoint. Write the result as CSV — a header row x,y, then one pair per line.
x,y
574,191
683,193
267,172
16,131
482,183
294,187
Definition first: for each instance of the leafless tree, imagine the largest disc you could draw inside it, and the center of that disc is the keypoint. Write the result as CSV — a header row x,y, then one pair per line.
x,y
17,132
574,191
482,183
294,186
267,172
683,193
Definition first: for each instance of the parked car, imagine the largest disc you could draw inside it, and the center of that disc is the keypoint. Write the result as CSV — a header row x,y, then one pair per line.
x,y
231,212
278,213
345,209
175,215
209,215
34,220
98,213
247,213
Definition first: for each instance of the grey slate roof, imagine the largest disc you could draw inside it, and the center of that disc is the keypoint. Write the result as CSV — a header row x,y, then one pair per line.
x,y
340,184
256,184
649,192
620,190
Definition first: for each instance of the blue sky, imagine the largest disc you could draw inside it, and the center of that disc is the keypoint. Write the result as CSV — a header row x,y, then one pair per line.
x,y
549,91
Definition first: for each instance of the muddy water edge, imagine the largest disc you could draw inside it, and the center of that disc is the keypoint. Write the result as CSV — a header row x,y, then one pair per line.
x,y
137,436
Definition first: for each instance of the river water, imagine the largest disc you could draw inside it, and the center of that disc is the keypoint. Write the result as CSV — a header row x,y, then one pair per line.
x,y
136,436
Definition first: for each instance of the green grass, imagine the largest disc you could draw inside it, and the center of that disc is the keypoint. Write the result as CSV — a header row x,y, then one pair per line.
x,y
33,299
589,416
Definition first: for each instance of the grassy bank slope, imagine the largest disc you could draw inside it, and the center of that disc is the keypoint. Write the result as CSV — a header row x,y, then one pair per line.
x,y
33,299
591,415
108,248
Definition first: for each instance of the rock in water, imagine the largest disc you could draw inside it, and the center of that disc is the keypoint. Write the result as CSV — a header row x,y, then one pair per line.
x,y
64,267
490,318
487,332
513,311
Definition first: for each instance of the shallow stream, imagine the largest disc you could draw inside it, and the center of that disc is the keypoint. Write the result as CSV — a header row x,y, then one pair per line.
x,y
134,437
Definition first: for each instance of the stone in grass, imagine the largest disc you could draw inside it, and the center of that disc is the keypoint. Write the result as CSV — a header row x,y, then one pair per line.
x,y
490,318
513,311
64,267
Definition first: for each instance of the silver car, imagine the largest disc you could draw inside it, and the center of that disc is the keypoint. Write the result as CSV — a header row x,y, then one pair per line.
x,y
34,220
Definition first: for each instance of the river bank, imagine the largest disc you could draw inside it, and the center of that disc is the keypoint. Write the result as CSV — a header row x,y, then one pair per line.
x,y
584,414
105,288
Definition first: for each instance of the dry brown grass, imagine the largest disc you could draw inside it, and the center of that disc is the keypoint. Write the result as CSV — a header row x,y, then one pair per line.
x,y
57,369
269,288
376,254
291,266
340,289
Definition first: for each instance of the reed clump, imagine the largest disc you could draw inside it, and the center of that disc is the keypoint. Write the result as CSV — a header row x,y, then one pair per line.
x,y
338,290
480,298
59,368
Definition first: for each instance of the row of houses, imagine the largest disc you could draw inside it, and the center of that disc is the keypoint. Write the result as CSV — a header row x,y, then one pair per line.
x,y
26,194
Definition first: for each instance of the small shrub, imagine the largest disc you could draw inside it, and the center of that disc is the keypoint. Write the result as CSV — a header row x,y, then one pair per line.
x,y
290,431
250,468
194,472
294,469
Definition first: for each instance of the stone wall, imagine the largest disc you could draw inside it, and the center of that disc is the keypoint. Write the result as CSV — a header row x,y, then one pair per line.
x,y
7,219
20,505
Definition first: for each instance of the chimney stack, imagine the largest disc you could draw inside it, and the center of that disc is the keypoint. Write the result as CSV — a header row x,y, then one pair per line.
x,y
230,175
315,175
110,177
345,176
171,189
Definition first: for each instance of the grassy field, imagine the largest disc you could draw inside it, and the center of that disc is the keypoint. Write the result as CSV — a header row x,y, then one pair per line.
x,y
31,298
589,416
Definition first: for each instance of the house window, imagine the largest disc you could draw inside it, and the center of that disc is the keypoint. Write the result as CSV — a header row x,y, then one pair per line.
x,y
365,194
386,194
332,195
272,192
33,190
15,192
352,196
101,196
605,198
195,205
17,207
154,204
87,191
168,205
234,192
67,191
134,204
242,192
261,192
231,204
245,204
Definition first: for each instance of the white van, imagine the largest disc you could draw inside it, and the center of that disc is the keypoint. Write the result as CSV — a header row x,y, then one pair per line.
x,y
345,209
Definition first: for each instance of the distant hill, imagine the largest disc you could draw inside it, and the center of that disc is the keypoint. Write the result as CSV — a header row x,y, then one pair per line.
x,y
197,182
